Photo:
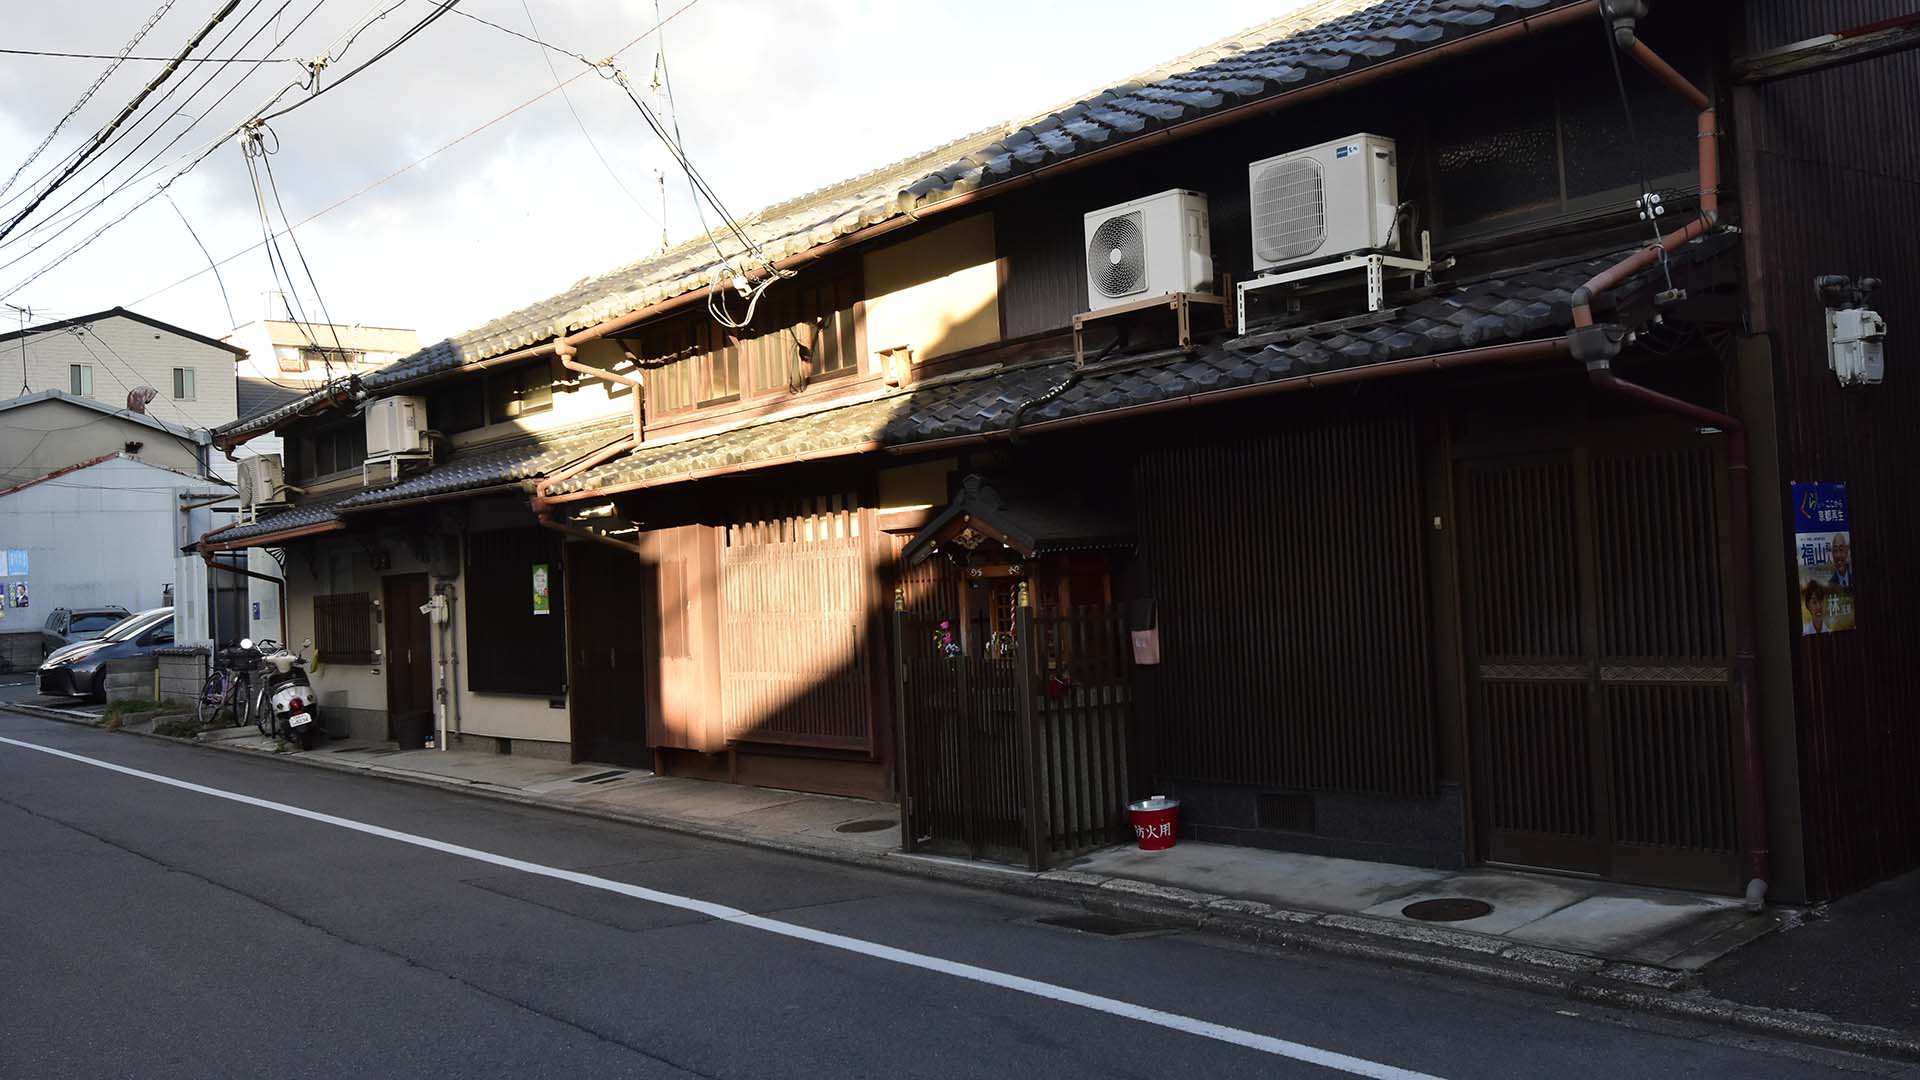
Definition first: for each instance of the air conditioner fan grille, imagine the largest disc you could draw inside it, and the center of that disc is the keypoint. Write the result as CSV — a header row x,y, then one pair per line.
x,y
1289,209
1117,256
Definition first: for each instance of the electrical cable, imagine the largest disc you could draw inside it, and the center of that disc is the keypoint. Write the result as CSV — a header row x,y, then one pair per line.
x,y
564,96
438,14
87,94
192,162
157,59
69,221
103,134
422,159
224,299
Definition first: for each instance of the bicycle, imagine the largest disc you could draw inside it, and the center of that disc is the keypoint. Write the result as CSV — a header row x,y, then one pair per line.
x,y
223,699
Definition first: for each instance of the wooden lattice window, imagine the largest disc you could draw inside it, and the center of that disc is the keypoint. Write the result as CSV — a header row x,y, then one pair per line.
x,y
343,628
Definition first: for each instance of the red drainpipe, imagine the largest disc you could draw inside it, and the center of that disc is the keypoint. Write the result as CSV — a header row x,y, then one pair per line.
x,y
1598,345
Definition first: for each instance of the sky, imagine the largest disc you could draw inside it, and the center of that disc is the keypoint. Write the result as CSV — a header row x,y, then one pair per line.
x,y
772,99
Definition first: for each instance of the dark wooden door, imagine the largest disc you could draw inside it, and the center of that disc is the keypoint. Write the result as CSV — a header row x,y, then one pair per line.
x,y
1601,705
606,675
409,646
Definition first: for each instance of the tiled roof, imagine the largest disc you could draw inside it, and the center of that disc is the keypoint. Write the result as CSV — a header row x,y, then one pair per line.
x,y
519,461
1519,305
1321,40
319,510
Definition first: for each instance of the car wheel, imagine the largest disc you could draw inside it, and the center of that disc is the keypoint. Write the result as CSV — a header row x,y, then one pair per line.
x,y
99,691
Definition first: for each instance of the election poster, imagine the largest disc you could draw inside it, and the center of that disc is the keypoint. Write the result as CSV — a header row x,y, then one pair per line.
x,y
1823,550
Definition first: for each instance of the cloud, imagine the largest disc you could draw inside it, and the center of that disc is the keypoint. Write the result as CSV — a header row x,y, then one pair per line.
x,y
774,99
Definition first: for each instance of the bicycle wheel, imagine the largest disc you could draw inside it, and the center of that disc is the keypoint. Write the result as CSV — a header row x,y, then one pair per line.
x,y
261,710
207,706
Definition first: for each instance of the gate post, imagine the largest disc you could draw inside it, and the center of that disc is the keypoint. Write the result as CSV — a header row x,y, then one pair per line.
x,y
902,743
1037,816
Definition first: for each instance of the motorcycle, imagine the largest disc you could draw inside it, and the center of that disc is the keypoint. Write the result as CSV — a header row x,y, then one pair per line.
x,y
289,711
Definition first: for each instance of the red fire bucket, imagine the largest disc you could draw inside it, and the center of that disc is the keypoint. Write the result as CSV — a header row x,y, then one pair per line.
x,y
1155,821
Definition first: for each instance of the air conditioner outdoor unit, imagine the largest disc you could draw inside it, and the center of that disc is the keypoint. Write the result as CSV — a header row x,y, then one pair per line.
x,y
1324,202
263,482
1148,247
396,427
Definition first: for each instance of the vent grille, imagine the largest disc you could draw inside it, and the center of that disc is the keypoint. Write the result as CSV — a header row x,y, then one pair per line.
x,y
1117,256
1289,209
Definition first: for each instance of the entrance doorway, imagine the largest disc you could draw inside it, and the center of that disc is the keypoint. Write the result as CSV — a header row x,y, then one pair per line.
x,y
606,674
409,648
1601,708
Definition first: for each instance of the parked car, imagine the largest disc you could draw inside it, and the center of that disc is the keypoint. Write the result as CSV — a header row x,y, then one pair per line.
x,y
65,626
80,669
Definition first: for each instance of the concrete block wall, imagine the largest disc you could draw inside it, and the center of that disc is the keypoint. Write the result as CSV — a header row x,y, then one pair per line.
x,y
130,685
20,650
182,673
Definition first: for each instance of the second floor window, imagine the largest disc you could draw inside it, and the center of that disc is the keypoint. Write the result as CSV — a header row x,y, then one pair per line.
x,y
311,359
519,391
801,333
335,449
183,384
80,379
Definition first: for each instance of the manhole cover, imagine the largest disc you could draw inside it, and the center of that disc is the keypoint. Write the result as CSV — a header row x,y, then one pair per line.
x,y
1447,909
1091,923
869,825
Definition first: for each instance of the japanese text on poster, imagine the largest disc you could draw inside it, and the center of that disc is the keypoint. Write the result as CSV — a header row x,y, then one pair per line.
x,y
542,592
1823,551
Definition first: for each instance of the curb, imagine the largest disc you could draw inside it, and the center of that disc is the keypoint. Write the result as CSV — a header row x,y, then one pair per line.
x,y
1432,950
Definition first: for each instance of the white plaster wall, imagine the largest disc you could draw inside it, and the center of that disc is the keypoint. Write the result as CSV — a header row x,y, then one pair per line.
x,y
99,535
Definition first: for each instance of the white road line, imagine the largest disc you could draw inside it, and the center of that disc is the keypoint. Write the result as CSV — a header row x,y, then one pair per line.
x,y
1265,1044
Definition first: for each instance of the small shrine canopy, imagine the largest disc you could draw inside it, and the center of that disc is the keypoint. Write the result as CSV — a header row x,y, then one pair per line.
x,y
981,520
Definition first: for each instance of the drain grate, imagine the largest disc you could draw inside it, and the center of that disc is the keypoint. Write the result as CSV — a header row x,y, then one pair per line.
x,y
1090,923
1447,909
869,825
594,778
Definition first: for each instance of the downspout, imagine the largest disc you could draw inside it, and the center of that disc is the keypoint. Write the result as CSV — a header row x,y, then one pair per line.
x,y
1599,345
206,555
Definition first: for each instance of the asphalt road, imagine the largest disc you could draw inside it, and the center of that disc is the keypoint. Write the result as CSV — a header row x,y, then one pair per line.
x,y
147,930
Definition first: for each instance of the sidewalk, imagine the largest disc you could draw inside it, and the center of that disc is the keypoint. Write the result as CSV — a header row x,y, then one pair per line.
x,y
1648,936
1595,943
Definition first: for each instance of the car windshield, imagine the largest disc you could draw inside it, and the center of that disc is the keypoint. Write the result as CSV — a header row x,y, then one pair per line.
x,y
133,625
87,624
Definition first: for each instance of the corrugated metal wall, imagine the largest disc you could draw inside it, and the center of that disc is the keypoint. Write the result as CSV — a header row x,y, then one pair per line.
x,y
1294,627
1834,188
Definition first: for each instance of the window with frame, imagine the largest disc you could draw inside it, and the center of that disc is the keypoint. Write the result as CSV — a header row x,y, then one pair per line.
x,y
800,334
80,379
312,357
1562,148
335,449
183,384
343,628
519,391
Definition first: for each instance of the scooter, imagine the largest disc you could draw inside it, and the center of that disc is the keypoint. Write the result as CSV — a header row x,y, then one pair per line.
x,y
288,695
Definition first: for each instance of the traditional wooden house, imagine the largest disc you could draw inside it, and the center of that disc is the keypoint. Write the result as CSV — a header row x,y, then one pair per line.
x,y
1379,430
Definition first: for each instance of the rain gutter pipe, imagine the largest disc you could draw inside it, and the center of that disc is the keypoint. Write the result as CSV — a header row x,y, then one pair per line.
x,y
1598,345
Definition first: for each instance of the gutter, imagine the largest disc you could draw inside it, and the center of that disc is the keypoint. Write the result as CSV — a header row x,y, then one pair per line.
x,y
270,538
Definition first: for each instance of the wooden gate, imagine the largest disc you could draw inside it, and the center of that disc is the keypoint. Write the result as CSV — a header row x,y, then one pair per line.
x,y
794,627
1602,709
1015,750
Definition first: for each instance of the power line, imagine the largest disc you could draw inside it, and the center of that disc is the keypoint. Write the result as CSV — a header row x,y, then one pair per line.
x,y
231,321
578,122
103,134
439,13
87,94
73,219
421,160
156,59
204,152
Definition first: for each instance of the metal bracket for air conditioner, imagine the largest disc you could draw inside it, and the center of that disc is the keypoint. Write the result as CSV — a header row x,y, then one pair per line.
x,y
1375,265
